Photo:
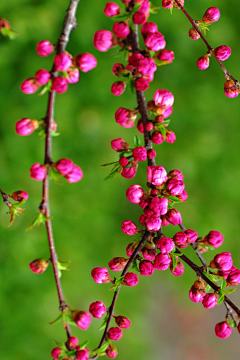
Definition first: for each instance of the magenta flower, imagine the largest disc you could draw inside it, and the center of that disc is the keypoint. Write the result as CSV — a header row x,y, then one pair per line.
x,y
111,351
159,206
130,172
130,279
119,145
146,267
196,295
151,154
167,4
162,262
179,269
155,41
170,137
176,174
230,89
56,352
146,67
100,275
74,175
139,153
73,75
129,228
121,29
72,342
122,322
42,76
165,55
139,18
26,126
103,40
175,187
114,333
163,98
81,318
123,161
85,62
125,117
157,137
210,300
152,223
141,84
211,15
180,239
64,166
62,62
148,27
117,69
203,62
97,309
19,195
166,245
118,88
223,330
233,278
134,193
117,263
111,9
191,235
59,84
82,354
222,52
149,252
29,86
134,59
222,261
174,217
193,34
214,238
156,175
38,266
38,172
130,248
44,48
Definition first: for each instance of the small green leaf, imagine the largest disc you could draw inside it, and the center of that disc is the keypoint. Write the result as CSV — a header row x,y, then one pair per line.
x,y
223,284
166,122
135,9
112,175
208,288
151,53
69,319
121,17
136,141
232,322
174,260
46,88
63,265
130,84
83,345
104,322
229,291
124,75
101,350
221,298
108,164
57,320
39,219
175,199
134,266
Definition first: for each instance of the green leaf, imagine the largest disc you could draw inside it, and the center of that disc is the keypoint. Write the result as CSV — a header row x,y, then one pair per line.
x,y
69,319
174,260
135,9
121,17
101,350
223,284
108,164
232,322
151,53
104,322
229,291
134,266
208,288
63,265
57,320
212,277
124,75
136,141
221,298
112,175
46,88
166,122
174,198
83,345
130,84
39,219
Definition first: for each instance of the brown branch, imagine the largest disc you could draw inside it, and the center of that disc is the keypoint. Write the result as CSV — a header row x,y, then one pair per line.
x,y
5,198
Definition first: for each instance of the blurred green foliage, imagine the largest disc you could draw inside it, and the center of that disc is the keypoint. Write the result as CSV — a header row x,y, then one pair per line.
x,y
87,216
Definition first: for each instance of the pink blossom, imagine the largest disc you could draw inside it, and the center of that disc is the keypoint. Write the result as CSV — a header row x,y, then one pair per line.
x,y
180,239
62,62
38,172
139,18
148,27
214,238
170,137
159,205
26,126
82,354
81,318
85,62
176,174
222,261
19,195
38,266
151,154
223,330
140,126
149,125
129,228
162,262
72,342
210,301
42,76
167,4
117,263
129,172
44,48
157,137
134,59
117,69
139,153
146,66
130,279
100,275
222,52
165,55
114,333
141,84
130,248
103,40
146,268
175,187
122,322
111,9
230,89
233,278
119,145
64,166
123,161
203,62
144,8
121,29
211,15
56,352
179,269
149,252
193,34
97,309
155,41
156,175
59,84
166,245
29,86
163,98
152,223
191,235
167,112
125,117
75,175
196,295
174,217
118,88
134,193
111,351
73,75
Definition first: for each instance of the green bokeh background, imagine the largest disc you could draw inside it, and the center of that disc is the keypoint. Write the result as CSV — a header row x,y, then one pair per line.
x,y
87,216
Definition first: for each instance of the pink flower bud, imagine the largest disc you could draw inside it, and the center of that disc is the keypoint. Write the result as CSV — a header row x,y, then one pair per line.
x,y
149,125
203,62
191,235
155,41
103,40
38,172
121,29
130,248
26,126
174,217
148,27
167,4
151,154
225,273
82,354
29,86
38,266
159,206
211,15
233,278
214,238
146,67
125,117
210,300
166,245
183,196
111,351
130,279
118,88
156,175
56,352
149,252
140,126
157,137
119,145
176,174
100,275
19,195
114,333
139,153
152,223
97,309
42,76
73,75
111,9
196,295
165,55
146,268
117,69
223,330
122,322
162,262
117,263
59,84
180,239
64,166
85,62
134,193
141,84
222,52
179,269
130,172
163,98
175,187
129,228
72,342
164,221
193,34
75,175
170,137
134,59
230,89
123,161
44,48
222,261
81,318
139,18
62,62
